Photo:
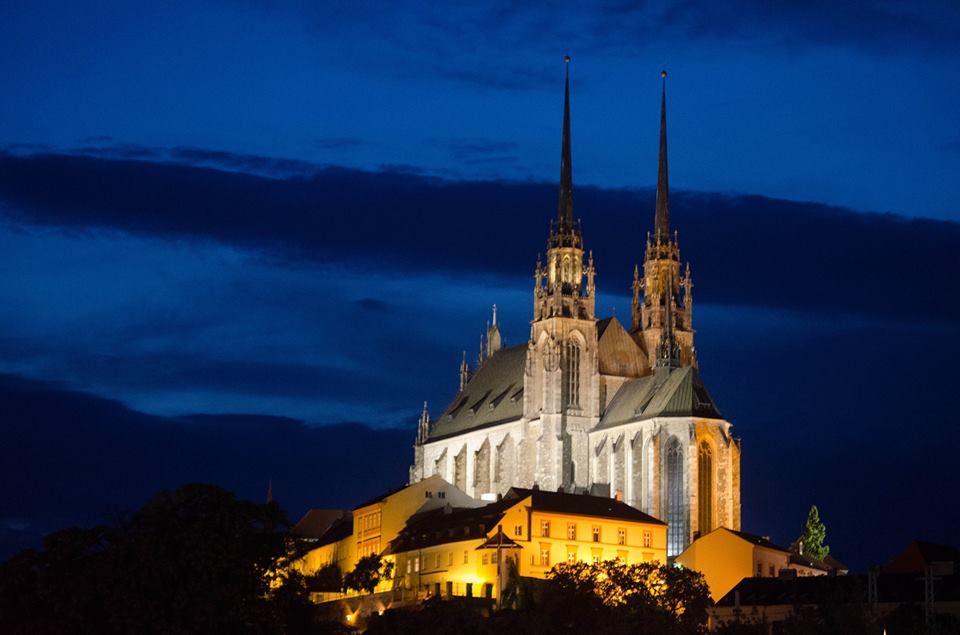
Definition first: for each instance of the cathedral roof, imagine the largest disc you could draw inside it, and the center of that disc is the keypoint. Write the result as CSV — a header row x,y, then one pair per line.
x,y
493,395
617,353
677,393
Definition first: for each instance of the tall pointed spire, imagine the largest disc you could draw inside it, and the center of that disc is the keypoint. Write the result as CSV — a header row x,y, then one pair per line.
x,y
565,206
662,223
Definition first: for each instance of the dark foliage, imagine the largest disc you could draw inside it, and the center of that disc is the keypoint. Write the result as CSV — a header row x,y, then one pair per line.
x,y
194,560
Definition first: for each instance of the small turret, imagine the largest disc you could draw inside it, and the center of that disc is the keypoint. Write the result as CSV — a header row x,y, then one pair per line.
x,y
494,339
423,429
464,371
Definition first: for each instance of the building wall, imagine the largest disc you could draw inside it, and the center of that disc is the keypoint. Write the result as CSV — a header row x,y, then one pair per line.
x,y
631,457
725,558
559,547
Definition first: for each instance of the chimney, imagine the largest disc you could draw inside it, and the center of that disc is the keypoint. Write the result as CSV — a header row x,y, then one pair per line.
x,y
619,496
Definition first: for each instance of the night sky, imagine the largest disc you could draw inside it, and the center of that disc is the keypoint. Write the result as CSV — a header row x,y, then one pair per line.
x,y
243,241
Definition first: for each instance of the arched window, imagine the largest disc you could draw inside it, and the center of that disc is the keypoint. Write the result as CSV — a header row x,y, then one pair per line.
x,y
571,372
705,488
676,508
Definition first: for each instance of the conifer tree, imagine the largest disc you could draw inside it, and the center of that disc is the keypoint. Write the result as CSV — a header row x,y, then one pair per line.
x,y
814,533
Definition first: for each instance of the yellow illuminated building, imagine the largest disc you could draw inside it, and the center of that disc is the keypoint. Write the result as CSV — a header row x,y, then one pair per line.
x,y
725,557
454,552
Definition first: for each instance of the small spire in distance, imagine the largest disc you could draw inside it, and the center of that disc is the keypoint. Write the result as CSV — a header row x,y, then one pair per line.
x,y
661,227
565,207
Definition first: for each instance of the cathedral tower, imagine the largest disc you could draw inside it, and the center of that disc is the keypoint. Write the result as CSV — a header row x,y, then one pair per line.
x,y
662,298
561,380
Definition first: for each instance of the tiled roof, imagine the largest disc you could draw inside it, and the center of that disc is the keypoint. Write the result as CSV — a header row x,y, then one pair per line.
x,y
617,353
493,395
676,393
446,524
316,522
580,504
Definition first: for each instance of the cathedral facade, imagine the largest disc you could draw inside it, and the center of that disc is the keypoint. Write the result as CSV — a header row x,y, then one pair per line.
x,y
586,405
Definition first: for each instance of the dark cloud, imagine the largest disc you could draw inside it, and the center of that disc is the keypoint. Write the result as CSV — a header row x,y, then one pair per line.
x,y
73,458
338,143
373,305
761,251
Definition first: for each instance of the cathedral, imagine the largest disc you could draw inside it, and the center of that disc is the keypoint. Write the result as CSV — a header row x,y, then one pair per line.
x,y
587,405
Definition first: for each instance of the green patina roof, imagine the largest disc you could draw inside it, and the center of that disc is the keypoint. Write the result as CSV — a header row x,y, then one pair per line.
x,y
678,393
493,395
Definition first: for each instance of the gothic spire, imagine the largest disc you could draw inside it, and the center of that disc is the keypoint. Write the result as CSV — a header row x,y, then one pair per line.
x,y
662,221
565,206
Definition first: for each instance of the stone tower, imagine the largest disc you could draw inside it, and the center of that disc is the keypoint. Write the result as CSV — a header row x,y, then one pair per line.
x,y
561,379
662,298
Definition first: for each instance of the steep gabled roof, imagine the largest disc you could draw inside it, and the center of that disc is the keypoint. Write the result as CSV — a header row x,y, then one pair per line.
x,y
446,524
677,393
579,504
617,353
493,395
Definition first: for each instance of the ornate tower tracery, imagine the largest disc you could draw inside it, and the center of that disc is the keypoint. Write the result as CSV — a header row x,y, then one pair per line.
x,y
561,382
662,297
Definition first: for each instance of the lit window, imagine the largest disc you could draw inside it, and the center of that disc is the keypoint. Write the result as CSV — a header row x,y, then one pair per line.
x,y
571,556
571,371
596,533
544,555
571,531
416,564
676,512
621,536
545,528
647,538
705,488
409,566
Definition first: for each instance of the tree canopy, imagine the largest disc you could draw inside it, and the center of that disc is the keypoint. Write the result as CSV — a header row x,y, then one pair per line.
x,y
814,534
193,560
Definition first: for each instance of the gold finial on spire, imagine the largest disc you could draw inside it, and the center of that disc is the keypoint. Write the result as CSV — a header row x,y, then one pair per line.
x,y
567,59
663,73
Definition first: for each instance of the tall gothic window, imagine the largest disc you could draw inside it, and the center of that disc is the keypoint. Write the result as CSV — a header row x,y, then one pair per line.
x,y
705,488
676,510
571,371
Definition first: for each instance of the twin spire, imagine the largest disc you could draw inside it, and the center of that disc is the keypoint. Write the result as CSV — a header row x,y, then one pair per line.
x,y
661,226
565,205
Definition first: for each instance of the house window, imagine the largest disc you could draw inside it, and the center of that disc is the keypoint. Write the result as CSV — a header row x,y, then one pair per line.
x,y
416,564
571,371
596,533
759,570
621,536
622,557
486,558
571,555
571,531
545,528
428,494
441,494
773,571
450,559
544,555
647,537
518,530
705,488
597,555
466,557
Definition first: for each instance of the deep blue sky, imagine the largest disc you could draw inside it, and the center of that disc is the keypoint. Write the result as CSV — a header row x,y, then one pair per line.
x,y
305,211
